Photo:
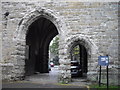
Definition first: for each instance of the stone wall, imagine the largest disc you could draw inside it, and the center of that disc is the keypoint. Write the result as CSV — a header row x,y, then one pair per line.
x,y
0,59
94,23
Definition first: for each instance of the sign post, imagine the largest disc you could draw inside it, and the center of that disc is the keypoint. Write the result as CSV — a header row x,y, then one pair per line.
x,y
103,61
100,77
107,79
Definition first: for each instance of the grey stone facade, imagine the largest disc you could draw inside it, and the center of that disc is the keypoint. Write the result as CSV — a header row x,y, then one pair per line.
x,y
93,24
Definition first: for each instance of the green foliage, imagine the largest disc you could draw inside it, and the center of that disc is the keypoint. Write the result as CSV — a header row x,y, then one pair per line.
x,y
76,50
103,87
54,47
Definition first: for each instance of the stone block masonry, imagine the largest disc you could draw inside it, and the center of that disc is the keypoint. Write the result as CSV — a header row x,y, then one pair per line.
x,y
93,24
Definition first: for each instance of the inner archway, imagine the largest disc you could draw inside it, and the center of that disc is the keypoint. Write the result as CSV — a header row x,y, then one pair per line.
x,y
79,60
39,35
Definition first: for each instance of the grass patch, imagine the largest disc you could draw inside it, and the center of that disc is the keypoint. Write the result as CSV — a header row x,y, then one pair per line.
x,y
111,87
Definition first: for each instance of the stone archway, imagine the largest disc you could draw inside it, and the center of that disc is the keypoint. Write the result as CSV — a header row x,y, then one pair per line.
x,y
29,18
20,36
83,41
92,53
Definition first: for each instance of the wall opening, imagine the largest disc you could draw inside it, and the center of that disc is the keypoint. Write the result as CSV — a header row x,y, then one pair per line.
x,y
79,66
34,33
39,35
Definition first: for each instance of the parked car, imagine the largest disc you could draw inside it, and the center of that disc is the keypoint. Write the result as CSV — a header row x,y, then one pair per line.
x,y
75,69
51,64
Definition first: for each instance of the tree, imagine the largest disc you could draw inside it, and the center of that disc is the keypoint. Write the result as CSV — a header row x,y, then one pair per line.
x,y
54,46
76,52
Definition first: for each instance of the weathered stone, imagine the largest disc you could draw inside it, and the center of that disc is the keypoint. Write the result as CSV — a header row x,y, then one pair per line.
x,y
94,25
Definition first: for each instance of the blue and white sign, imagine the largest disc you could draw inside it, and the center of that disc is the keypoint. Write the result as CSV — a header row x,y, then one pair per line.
x,y
103,60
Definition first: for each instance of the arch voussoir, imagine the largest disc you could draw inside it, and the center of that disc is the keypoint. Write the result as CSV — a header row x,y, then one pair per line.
x,y
21,32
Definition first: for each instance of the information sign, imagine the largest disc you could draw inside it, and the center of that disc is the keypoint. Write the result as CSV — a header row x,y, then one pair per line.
x,y
103,60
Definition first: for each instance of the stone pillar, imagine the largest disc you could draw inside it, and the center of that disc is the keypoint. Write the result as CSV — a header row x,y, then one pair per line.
x,y
0,59
93,68
65,73
19,60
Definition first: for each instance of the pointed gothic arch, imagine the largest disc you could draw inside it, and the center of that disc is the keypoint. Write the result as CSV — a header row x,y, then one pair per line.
x,y
90,47
22,30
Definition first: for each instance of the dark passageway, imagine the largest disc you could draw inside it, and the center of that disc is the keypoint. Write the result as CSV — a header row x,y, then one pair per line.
x,y
79,54
38,38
